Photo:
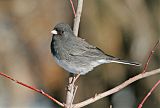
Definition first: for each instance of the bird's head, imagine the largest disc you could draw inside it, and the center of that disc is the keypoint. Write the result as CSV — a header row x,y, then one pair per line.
x,y
61,28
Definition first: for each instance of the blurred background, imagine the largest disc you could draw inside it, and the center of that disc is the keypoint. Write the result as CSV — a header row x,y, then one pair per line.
x,y
124,28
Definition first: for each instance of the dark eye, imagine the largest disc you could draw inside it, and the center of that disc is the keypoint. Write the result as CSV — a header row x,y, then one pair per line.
x,y
60,32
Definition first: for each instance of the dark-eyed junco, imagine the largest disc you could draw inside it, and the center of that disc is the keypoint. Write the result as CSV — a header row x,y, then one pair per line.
x,y
75,55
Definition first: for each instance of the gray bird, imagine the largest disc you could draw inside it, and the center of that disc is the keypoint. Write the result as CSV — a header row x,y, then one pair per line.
x,y
76,55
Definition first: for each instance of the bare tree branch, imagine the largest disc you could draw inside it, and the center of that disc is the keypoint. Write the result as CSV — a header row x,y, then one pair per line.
x,y
71,88
116,89
73,9
32,88
146,97
77,18
149,57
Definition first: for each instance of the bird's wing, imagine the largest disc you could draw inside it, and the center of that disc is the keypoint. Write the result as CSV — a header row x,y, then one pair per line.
x,y
82,48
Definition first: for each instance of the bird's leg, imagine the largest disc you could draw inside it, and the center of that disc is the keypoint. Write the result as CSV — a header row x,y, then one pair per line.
x,y
76,77
75,87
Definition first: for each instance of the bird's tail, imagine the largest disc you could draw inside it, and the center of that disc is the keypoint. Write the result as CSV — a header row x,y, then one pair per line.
x,y
117,60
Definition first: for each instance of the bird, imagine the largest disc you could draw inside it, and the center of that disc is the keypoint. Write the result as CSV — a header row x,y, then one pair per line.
x,y
77,56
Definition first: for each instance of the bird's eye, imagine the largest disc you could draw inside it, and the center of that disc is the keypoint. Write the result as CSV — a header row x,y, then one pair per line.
x,y
62,32
57,31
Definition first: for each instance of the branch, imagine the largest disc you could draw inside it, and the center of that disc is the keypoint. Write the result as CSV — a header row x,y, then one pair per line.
x,y
33,88
73,9
117,88
149,57
71,88
77,17
146,97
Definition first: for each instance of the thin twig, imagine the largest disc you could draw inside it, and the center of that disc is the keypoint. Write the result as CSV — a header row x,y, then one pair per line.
x,y
33,88
116,89
149,57
146,97
77,18
144,70
74,94
70,91
110,106
76,77
73,9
